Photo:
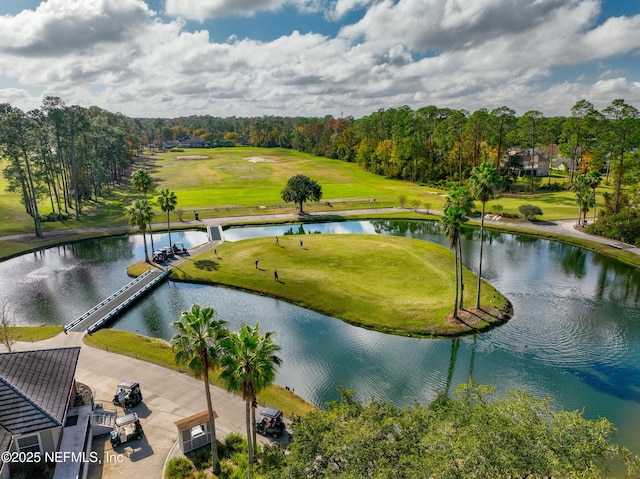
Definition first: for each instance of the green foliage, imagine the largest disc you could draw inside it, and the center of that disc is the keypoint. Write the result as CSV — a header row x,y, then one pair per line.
x,y
475,434
202,458
530,211
623,226
234,443
271,458
402,199
496,209
300,189
179,468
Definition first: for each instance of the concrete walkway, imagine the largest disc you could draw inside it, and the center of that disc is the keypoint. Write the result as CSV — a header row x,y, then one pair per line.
x,y
168,397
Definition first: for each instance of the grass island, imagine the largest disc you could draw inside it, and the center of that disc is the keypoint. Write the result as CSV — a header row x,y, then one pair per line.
x,y
390,284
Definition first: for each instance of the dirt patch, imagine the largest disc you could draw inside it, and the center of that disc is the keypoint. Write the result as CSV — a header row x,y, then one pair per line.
x,y
478,318
192,157
264,159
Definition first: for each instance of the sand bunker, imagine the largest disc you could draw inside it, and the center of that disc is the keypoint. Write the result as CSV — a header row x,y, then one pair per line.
x,y
194,157
264,159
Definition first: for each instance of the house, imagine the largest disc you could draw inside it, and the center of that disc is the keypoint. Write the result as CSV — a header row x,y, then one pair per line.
x,y
184,142
527,162
192,142
40,412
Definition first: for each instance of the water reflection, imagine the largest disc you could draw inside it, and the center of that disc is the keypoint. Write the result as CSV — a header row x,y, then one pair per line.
x,y
575,334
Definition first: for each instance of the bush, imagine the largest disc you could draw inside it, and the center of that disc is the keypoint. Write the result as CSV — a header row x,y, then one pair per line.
x,y
530,211
496,209
272,458
202,458
179,468
235,443
623,226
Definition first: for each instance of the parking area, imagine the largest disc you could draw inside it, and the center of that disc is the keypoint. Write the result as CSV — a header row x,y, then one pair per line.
x,y
167,397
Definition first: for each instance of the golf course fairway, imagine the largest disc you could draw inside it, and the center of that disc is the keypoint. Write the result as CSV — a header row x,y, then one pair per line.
x,y
390,284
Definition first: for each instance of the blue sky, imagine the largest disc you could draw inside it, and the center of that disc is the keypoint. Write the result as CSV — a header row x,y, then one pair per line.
x,y
172,58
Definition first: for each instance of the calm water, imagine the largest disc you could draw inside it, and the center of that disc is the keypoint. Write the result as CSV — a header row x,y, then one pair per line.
x,y
575,334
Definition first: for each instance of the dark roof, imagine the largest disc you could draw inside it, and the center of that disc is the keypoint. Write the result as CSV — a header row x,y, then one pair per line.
x,y
5,441
35,387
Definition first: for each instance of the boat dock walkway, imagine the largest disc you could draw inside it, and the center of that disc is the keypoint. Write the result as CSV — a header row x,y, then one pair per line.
x,y
98,316
101,313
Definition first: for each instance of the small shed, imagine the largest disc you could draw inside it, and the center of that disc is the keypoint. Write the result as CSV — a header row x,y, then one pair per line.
x,y
194,431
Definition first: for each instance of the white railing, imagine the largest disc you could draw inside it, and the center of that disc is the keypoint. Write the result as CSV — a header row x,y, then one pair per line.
x,y
114,312
78,320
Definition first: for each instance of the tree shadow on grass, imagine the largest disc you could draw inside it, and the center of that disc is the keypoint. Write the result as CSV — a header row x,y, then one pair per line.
x,y
207,265
476,318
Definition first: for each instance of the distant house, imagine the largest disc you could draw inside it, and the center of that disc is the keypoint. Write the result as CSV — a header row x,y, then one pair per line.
x,y
525,162
185,142
39,412
192,142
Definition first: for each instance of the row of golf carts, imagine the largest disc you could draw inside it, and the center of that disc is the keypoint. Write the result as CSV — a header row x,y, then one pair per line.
x,y
128,427
163,254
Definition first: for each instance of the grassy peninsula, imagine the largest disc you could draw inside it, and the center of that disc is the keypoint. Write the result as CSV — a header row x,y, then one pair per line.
x,y
390,284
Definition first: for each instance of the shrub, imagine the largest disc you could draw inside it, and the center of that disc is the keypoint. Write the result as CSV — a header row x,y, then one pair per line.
x,y
530,211
202,458
623,226
402,199
496,209
272,458
234,443
179,468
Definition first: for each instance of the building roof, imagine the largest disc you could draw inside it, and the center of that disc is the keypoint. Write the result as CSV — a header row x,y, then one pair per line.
x,y
35,387
5,441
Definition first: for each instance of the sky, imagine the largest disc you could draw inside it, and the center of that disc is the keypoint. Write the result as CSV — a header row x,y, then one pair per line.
x,y
247,58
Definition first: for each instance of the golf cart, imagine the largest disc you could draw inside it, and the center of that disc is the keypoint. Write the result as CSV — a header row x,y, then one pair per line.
x,y
159,256
270,422
126,428
178,248
168,252
129,392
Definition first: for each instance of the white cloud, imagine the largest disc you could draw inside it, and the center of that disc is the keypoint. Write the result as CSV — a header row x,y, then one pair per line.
x,y
205,9
62,27
122,57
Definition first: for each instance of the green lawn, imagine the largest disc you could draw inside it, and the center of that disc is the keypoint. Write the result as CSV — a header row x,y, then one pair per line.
x,y
390,284
159,352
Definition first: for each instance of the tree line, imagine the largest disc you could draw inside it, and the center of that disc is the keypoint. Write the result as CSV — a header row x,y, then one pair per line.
x,y
70,155
431,144
64,155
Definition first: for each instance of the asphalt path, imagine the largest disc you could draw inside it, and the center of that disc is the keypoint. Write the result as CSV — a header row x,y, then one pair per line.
x,y
566,227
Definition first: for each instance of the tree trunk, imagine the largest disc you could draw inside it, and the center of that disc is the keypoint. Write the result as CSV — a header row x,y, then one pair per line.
x,y
455,304
480,263
32,196
247,407
461,306
212,419
146,253
169,227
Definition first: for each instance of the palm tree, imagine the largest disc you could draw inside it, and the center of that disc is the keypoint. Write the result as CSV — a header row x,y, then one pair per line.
x,y
197,345
594,178
450,224
249,365
167,202
142,181
140,215
484,182
459,197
